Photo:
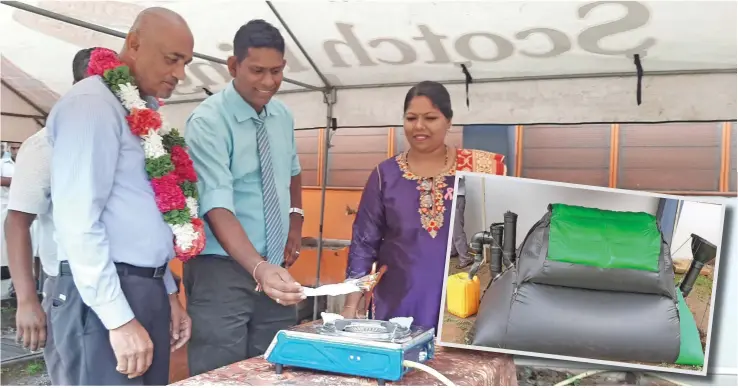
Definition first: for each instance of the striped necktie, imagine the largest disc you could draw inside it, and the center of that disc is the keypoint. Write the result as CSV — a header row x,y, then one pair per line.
x,y
275,240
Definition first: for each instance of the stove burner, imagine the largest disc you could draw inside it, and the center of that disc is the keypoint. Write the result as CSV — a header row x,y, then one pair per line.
x,y
366,329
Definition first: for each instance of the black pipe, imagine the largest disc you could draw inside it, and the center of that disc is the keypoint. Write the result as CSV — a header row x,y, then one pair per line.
x,y
495,258
476,248
702,252
511,226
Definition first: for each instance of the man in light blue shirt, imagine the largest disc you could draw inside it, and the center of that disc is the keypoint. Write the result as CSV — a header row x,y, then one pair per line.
x,y
115,295
243,148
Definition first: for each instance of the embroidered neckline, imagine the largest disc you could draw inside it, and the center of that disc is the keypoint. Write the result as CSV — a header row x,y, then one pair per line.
x,y
431,192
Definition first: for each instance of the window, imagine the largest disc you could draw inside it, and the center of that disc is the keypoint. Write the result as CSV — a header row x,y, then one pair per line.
x,y
567,153
307,142
355,152
670,157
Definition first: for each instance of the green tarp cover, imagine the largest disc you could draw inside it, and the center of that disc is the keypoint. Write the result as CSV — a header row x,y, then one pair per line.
x,y
690,346
603,238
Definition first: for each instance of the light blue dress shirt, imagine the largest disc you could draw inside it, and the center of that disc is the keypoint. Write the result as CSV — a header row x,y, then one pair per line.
x,y
221,136
104,210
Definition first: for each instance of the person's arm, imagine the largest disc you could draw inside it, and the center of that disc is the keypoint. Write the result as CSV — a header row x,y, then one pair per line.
x,y
294,238
208,148
5,179
30,319
20,254
296,198
28,197
169,283
296,181
87,138
366,237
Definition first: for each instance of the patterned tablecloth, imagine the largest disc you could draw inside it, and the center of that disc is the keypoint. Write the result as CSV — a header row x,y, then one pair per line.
x,y
463,367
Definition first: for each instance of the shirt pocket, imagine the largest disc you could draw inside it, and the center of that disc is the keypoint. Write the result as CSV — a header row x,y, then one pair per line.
x,y
245,159
284,165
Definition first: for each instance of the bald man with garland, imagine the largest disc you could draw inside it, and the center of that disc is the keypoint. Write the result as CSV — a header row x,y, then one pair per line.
x,y
115,315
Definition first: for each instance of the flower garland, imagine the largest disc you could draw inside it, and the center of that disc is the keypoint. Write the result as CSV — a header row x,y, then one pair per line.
x,y
168,165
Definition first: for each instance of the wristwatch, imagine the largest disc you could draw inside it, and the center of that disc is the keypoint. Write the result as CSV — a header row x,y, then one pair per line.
x,y
297,210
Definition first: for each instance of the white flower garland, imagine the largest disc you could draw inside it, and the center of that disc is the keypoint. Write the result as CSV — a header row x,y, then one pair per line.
x,y
152,143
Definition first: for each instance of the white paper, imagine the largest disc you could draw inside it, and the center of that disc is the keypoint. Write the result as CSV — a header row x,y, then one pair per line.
x,y
402,321
331,289
330,317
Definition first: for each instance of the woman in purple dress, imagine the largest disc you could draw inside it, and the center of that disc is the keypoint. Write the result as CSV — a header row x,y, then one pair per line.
x,y
405,209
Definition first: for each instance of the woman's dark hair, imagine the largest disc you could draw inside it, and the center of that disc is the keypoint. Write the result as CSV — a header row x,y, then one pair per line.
x,y
435,92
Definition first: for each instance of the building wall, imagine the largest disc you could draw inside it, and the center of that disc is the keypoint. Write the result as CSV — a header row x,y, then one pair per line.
x,y
676,158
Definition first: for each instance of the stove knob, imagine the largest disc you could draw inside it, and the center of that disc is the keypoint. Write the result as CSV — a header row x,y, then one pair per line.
x,y
422,356
351,357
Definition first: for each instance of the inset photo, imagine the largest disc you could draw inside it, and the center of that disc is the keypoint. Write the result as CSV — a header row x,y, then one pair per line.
x,y
582,273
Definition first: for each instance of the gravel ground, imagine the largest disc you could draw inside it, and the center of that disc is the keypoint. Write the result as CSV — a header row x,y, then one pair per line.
x,y
32,373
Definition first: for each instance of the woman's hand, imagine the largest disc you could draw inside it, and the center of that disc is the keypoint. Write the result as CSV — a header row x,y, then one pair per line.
x,y
349,312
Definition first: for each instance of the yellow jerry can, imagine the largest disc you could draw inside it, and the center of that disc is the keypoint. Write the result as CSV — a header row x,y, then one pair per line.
x,y
462,295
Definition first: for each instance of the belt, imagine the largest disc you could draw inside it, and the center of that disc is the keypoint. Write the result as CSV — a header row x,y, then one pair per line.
x,y
123,270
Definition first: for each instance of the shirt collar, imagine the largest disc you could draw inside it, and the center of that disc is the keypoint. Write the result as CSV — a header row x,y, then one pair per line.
x,y
241,110
152,103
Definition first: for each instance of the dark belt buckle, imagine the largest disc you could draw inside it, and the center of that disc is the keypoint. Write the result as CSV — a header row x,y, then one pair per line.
x,y
159,272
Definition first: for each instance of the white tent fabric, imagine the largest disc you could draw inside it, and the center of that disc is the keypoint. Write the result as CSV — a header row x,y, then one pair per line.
x,y
531,62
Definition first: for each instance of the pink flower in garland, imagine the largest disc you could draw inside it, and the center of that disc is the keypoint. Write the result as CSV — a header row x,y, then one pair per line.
x,y
168,194
102,60
183,167
142,121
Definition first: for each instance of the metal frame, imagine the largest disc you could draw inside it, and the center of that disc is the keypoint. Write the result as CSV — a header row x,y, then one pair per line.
x,y
329,91
24,98
109,31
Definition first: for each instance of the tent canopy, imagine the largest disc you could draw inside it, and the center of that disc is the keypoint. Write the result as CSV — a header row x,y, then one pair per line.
x,y
526,60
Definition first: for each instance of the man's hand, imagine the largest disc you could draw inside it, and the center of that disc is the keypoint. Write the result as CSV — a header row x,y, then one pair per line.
x,y
133,349
30,323
278,284
294,241
180,328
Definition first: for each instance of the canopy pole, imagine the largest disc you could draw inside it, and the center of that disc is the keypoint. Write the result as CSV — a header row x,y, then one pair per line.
x,y
109,31
299,45
330,126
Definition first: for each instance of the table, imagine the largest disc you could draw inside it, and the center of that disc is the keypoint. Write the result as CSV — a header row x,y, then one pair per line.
x,y
463,367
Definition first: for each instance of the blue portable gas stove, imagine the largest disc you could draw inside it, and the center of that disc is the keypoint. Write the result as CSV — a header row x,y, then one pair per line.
x,y
359,347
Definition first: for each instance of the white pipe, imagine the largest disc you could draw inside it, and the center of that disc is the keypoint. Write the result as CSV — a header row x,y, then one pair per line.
x,y
430,371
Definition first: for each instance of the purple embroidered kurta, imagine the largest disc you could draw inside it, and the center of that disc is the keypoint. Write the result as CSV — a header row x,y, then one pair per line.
x,y
388,230
403,222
